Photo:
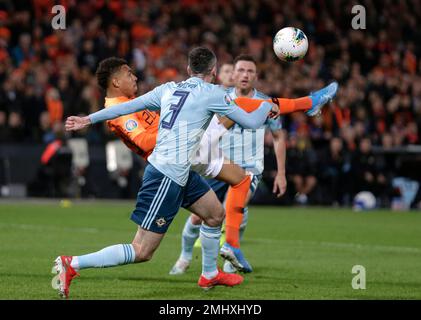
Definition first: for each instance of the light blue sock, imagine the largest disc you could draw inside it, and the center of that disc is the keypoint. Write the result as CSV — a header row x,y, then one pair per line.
x,y
209,237
189,237
244,222
108,257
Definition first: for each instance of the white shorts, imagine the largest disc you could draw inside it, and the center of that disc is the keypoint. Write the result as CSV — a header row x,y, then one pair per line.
x,y
209,157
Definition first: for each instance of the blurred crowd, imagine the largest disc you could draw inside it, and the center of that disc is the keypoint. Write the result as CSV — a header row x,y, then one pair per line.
x,y
47,75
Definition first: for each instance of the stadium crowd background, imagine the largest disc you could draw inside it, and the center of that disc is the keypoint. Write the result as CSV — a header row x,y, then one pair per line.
x,y
47,75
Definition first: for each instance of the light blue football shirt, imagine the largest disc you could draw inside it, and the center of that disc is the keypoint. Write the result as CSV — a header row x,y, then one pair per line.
x,y
245,147
186,108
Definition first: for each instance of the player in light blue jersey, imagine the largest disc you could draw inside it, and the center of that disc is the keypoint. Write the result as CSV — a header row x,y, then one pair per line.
x,y
168,183
245,148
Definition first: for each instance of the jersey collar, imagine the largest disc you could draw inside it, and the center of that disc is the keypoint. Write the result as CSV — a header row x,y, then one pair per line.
x,y
197,79
116,100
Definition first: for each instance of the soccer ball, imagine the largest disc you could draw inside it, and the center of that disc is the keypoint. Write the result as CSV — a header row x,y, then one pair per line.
x,y
364,200
290,44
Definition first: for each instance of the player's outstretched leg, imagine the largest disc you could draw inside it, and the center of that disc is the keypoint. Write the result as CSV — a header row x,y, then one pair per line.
x,y
140,250
320,97
66,267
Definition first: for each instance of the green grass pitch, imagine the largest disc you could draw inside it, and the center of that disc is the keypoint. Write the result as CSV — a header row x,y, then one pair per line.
x,y
296,253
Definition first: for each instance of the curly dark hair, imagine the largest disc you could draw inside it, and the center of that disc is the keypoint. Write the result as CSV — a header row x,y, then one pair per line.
x,y
106,69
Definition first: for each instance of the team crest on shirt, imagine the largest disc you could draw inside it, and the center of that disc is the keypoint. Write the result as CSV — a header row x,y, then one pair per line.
x,y
160,222
130,125
228,99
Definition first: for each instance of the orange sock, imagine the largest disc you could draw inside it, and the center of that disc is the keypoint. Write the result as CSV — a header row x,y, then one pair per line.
x,y
292,105
235,202
285,105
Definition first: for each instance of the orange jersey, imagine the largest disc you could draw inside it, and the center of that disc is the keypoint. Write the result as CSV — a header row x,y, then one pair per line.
x,y
138,130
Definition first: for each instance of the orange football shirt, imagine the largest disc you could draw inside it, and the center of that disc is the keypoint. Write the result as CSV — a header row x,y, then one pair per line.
x,y
138,130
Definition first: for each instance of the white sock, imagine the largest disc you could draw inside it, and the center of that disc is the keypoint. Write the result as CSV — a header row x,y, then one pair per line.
x,y
189,236
75,263
108,257
209,237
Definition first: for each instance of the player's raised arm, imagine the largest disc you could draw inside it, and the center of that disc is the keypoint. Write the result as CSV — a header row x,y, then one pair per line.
x,y
150,101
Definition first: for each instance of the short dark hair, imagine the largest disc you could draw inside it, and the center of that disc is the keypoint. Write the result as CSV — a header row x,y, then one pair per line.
x,y
106,69
244,57
201,60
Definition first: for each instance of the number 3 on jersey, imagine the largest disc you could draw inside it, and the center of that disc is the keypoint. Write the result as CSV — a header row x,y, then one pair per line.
x,y
175,108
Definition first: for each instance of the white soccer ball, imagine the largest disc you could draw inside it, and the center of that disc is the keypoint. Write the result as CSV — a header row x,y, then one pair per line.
x,y
364,200
290,44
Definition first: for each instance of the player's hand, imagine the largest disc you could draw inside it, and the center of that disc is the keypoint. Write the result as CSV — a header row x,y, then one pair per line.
x,y
279,185
74,123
